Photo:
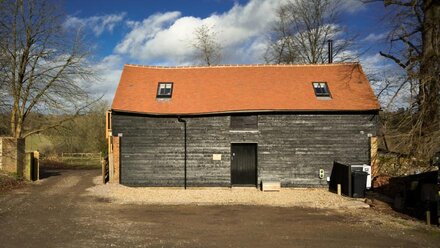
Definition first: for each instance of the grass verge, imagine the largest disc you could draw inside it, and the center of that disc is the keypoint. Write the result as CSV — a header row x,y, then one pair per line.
x,y
49,164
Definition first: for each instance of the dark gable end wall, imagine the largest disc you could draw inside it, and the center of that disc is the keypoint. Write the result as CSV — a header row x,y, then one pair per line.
x,y
291,147
151,150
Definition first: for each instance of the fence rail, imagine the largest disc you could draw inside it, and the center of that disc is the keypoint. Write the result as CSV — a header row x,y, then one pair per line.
x,y
81,155
82,158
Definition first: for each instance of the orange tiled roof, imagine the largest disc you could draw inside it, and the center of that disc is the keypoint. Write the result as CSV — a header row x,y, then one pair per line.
x,y
223,89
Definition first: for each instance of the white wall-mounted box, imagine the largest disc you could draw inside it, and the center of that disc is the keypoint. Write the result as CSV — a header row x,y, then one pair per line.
x,y
216,157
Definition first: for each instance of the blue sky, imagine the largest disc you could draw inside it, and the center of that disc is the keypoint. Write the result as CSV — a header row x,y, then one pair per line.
x,y
139,10
159,32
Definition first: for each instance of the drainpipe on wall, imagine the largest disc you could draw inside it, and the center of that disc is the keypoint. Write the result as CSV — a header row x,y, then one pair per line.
x,y
184,131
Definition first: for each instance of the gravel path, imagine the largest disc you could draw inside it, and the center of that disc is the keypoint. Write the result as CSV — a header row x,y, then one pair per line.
x,y
287,197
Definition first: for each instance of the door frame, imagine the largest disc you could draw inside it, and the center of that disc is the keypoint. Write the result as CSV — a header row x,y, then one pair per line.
x,y
255,144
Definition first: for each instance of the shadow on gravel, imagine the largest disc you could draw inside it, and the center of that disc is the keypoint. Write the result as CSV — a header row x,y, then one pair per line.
x,y
413,195
48,173
103,200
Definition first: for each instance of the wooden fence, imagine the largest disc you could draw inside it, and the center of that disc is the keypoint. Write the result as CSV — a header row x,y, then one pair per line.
x,y
419,195
82,159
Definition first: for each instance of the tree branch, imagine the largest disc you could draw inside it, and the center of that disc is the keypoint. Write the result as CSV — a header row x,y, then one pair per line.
x,y
400,3
59,123
396,60
409,43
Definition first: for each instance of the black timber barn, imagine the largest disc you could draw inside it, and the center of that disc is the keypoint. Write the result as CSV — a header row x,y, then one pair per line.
x,y
240,125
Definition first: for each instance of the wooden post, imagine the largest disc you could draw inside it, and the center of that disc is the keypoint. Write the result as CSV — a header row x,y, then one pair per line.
x,y
339,189
103,171
36,176
108,123
428,217
373,157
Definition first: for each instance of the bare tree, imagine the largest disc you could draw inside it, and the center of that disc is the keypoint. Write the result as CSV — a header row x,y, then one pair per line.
x,y
207,48
301,32
415,47
45,64
3,62
83,134
282,49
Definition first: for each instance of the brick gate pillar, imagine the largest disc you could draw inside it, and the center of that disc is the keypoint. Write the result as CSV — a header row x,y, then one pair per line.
x,y
116,158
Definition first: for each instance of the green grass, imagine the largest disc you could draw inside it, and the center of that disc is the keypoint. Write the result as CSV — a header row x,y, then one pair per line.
x,y
42,143
79,162
59,164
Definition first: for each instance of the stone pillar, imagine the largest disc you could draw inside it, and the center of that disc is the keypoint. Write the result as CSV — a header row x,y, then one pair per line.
x,y
29,166
12,155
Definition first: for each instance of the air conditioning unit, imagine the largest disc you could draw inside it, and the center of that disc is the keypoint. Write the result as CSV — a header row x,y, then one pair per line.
x,y
365,168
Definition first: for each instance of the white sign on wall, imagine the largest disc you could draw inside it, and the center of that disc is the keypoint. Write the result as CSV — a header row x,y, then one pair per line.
x,y
216,157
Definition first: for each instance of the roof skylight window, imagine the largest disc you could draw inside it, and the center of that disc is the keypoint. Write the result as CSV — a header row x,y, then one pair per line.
x,y
321,89
164,90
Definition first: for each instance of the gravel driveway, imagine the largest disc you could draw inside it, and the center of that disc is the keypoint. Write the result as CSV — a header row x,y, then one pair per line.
x,y
60,211
287,197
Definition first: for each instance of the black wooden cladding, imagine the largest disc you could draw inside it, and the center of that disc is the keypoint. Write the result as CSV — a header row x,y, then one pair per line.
x,y
291,147
244,164
244,122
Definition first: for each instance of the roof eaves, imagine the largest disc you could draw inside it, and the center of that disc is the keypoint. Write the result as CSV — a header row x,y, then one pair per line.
x,y
252,111
240,65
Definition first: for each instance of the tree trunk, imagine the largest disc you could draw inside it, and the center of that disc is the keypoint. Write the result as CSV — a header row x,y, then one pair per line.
x,y
14,120
429,66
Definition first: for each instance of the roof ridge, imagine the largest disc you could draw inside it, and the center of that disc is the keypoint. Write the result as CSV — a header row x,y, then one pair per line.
x,y
238,65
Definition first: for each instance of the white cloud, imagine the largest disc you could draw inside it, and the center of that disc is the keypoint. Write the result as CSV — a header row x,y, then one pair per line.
x,y
143,32
109,71
352,6
98,24
375,37
165,38
249,53
374,63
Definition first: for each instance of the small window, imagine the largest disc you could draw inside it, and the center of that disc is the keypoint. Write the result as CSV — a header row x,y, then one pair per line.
x,y
244,122
321,89
164,90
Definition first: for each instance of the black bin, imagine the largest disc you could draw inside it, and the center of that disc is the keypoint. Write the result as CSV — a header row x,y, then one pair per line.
x,y
359,183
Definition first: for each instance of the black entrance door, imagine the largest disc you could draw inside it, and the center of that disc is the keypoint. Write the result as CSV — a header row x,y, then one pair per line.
x,y
244,164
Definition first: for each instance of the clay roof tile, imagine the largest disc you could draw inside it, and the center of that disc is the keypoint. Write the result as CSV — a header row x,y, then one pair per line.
x,y
238,88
